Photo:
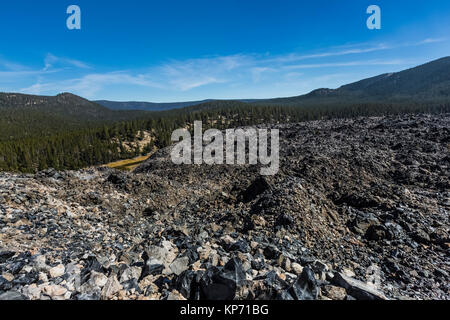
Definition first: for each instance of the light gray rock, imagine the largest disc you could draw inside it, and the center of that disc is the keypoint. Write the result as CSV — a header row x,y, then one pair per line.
x,y
180,265
111,287
98,279
54,290
57,271
12,295
130,273
296,268
40,263
356,288
166,253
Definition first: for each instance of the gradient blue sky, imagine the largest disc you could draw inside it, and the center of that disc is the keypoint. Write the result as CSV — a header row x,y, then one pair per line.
x,y
188,50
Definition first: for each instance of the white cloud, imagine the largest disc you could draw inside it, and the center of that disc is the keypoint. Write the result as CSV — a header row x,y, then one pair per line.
x,y
90,84
430,40
11,66
194,73
258,73
52,60
348,64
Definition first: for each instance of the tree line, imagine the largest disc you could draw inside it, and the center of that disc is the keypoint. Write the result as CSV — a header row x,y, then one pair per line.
x,y
83,145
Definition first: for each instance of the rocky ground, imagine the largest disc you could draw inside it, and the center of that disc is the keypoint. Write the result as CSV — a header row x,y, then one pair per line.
x,y
354,199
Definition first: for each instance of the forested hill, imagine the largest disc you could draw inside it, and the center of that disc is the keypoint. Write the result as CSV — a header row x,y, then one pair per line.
x,y
30,115
428,82
64,104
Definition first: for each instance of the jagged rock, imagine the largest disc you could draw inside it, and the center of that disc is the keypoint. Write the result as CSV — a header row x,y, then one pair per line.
x,y
356,288
152,267
175,295
334,293
241,246
306,287
111,287
440,273
54,291
180,265
421,236
33,292
92,265
12,295
213,286
226,232
271,252
98,279
363,221
274,286
5,285
234,271
256,188
193,255
284,262
222,284
57,271
166,253
296,268
187,284
132,286
5,255
284,220
130,273
149,212
117,179
95,295
376,233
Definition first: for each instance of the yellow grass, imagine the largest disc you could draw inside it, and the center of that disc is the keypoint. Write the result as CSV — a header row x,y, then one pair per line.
x,y
129,164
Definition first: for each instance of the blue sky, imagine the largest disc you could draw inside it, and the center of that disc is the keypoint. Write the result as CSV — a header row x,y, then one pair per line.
x,y
189,50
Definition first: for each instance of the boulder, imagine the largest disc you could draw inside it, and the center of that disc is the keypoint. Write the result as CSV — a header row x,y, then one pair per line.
x,y
356,288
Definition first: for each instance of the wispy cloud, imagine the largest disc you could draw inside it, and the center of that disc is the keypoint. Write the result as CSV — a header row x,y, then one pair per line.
x,y
52,60
349,64
297,57
11,66
90,84
431,40
194,73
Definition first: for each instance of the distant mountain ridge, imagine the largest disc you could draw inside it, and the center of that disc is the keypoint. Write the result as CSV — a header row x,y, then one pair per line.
x,y
31,115
66,104
432,78
430,81
148,106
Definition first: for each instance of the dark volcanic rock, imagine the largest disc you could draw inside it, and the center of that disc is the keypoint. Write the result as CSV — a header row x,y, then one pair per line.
x,y
12,295
5,255
258,186
284,220
306,287
356,288
359,210
214,286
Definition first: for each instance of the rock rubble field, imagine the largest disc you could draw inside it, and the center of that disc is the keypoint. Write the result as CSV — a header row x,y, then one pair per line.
x,y
359,210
